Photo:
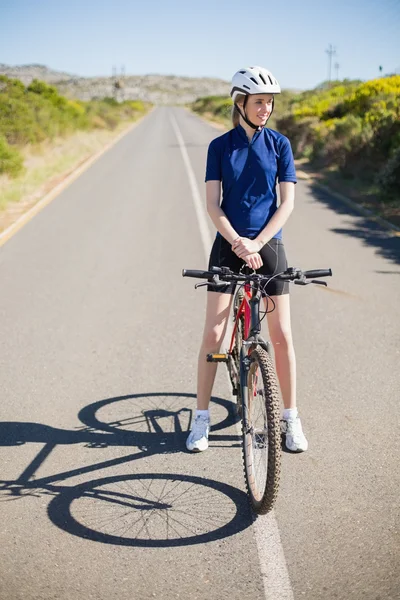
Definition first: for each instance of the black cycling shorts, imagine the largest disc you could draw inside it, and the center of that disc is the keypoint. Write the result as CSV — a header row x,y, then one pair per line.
x,y
274,261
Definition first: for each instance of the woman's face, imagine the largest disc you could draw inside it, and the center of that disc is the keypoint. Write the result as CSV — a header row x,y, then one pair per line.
x,y
259,108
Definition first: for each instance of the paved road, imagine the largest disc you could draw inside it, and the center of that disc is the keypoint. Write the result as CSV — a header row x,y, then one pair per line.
x,y
99,338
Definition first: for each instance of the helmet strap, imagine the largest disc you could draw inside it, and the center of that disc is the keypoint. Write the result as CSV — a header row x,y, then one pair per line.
x,y
244,116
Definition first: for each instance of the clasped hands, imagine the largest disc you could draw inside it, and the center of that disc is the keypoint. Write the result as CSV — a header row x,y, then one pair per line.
x,y
248,250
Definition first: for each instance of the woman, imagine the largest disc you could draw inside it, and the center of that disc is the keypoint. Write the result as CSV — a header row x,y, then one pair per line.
x,y
248,160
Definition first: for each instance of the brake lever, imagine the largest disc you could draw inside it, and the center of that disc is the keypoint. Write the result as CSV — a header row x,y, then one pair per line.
x,y
215,280
216,283
301,281
319,282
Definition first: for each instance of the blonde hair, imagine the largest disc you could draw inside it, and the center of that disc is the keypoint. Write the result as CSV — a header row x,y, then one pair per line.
x,y
235,113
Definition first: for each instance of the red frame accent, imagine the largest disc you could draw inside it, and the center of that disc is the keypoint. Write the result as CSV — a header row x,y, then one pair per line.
x,y
244,309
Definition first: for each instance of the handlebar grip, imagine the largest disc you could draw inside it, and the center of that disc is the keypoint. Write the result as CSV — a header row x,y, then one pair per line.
x,y
197,274
318,273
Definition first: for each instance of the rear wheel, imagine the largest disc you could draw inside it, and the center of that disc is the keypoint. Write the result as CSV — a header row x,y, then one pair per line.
x,y
261,432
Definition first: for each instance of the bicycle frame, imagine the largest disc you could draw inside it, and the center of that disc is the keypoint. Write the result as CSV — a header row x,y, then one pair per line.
x,y
250,310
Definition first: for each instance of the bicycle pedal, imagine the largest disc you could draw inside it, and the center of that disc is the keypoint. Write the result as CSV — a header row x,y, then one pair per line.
x,y
217,358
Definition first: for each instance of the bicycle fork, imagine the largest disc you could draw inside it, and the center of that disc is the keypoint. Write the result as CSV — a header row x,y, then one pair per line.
x,y
245,364
247,395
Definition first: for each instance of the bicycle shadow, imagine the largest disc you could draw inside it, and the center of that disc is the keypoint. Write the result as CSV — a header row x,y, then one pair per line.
x,y
123,511
151,424
144,426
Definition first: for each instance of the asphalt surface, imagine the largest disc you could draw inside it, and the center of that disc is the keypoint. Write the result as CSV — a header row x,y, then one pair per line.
x,y
98,350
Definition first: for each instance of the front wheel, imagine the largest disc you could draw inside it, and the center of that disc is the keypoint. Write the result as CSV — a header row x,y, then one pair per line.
x,y
261,432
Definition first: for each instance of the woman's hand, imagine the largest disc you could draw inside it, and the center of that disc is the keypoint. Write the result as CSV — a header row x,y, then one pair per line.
x,y
243,246
254,261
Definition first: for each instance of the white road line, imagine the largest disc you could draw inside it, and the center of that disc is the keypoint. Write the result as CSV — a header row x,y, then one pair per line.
x,y
273,565
198,203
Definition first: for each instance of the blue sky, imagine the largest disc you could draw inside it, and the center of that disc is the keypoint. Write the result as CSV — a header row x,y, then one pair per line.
x,y
211,38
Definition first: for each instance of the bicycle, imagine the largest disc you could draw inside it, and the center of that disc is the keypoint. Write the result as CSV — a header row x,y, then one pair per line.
x,y
253,378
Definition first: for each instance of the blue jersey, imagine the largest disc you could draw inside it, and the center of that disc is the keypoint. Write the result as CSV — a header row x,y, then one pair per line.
x,y
249,172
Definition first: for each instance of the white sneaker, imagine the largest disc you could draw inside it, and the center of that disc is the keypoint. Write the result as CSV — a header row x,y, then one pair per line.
x,y
198,437
294,437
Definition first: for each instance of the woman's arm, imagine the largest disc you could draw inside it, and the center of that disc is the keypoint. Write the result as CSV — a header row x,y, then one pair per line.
x,y
218,217
286,190
243,246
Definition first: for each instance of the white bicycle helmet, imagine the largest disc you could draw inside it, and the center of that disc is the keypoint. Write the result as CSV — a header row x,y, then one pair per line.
x,y
254,80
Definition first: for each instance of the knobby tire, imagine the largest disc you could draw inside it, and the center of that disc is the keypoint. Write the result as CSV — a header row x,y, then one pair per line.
x,y
262,500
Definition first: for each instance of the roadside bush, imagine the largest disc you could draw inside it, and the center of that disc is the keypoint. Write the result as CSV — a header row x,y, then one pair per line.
x,y
364,98
32,114
224,109
209,103
354,127
302,133
219,106
338,139
110,100
11,161
388,179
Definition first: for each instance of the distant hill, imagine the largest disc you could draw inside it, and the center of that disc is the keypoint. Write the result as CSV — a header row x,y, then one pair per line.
x,y
26,73
158,89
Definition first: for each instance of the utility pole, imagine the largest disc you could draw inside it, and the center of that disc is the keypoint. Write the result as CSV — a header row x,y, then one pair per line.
x,y
114,81
118,83
123,83
337,70
330,52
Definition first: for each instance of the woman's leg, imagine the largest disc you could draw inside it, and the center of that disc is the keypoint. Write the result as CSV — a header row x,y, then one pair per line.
x,y
218,308
217,313
285,362
280,332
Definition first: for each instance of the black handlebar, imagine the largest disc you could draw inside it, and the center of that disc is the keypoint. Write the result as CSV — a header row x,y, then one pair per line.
x,y
197,274
318,273
225,274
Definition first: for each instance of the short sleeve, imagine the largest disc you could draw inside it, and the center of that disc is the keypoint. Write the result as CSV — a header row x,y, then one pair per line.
x,y
213,167
286,168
